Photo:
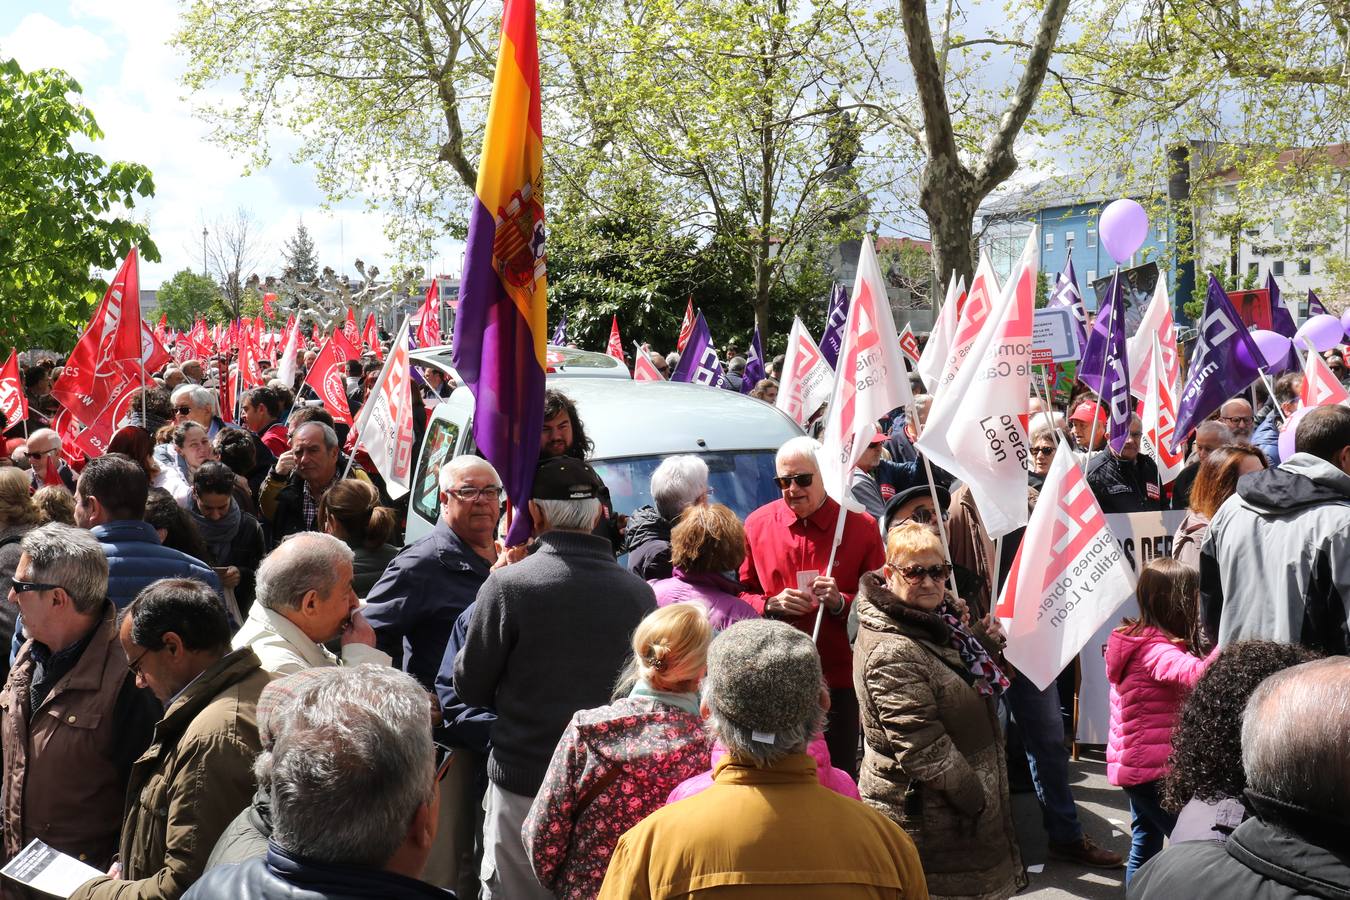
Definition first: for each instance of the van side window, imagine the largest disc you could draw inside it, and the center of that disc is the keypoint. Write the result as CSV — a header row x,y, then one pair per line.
x,y
437,447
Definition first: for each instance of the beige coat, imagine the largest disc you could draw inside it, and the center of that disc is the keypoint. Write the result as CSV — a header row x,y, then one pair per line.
x,y
283,649
933,756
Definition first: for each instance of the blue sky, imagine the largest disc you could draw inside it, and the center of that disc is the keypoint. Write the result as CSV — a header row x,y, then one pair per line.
x,y
118,51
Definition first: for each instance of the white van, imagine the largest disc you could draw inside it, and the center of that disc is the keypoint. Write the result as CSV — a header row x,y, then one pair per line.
x,y
567,361
634,425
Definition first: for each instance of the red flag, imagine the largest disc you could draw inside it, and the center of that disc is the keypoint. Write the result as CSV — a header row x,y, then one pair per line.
x,y
13,402
385,428
249,370
268,300
686,327
349,330
162,329
371,335
325,376
1320,387
428,333
909,344
643,369
153,352
92,373
615,348
316,335
258,328
66,425
227,395
348,349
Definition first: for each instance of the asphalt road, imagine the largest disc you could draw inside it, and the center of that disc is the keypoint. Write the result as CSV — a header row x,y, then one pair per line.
x,y
1105,813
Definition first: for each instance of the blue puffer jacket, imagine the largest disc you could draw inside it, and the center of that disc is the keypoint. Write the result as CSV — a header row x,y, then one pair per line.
x,y
1267,437
136,559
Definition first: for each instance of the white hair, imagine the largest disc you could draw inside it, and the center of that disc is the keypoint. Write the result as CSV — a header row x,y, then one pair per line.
x,y
304,562
43,434
799,448
197,396
570,515
452,469
678,483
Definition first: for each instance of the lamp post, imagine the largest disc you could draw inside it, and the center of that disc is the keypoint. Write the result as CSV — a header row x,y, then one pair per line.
x,y
204,272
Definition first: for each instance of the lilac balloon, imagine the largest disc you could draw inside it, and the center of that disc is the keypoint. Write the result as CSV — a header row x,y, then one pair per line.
x,y
1323,332
1123,227
1345,321
1273,345
1288,429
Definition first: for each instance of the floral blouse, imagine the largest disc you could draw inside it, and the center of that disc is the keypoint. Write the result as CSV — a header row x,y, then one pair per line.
x,y
613,767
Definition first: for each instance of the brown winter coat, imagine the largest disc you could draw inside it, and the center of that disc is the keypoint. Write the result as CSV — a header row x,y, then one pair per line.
x,y
933,751
189,785
73,731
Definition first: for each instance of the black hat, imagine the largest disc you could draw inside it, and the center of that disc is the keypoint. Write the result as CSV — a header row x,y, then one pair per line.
x,y
919,490
565,478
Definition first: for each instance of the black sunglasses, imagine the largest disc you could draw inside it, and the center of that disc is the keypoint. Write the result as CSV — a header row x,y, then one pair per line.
x,y
916,574
23,587
803,480
183,410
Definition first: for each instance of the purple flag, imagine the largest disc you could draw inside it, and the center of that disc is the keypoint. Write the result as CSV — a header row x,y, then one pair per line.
x,y
1281,323
560,333
1065,293
1315,307
754,365
1093,364
1224,363
832,338
698,360
1115,388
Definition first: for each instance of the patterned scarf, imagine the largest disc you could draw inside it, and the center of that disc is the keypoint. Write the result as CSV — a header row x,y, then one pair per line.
x,y
989,678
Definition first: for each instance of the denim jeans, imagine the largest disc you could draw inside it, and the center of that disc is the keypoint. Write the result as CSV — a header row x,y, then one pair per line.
x,y
1041,726
1149,824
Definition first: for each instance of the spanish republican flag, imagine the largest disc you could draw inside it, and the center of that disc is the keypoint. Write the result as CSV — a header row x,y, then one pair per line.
x,y
501,322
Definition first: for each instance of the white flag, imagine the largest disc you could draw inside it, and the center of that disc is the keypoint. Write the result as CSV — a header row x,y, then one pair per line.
x,y
385,426
807,377
289,356
1069,576
1159,415
980,302
976,428
871,379
1157,321
939,346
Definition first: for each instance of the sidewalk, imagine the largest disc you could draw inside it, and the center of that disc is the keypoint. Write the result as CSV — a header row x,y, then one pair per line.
x,y
1105,813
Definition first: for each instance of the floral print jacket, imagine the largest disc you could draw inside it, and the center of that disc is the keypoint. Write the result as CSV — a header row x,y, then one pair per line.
x,y
613,766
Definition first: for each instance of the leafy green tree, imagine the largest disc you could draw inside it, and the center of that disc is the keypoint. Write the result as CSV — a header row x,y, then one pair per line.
x,y
299,252
188,296
56,202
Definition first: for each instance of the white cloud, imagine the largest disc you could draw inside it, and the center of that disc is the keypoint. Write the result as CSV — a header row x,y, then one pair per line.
x,y
130,77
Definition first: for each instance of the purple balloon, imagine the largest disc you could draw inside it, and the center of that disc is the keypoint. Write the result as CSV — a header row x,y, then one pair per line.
x,y
1273,345
1287,431
1323,332
1345,321
1123,227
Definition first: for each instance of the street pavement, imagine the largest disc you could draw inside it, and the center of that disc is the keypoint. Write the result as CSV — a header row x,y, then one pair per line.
x,y
1104,811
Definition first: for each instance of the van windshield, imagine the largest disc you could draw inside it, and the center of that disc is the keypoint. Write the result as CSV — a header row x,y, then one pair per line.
x,y
740,479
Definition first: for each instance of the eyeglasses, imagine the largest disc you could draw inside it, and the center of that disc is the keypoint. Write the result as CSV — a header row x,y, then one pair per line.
x,y
183,410
444,756
23,587
472,495
1238,420
1042,451
923,515
802,480
916,574
135,664
38,454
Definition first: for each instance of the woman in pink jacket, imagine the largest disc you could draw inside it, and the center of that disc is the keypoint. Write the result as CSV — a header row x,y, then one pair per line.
x,y
1151,662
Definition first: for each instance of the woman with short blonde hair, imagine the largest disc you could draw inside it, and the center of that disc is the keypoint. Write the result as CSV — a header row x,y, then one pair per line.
x,y
617,764
706,545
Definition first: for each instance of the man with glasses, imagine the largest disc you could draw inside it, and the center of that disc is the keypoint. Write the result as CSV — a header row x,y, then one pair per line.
x,y
43,448
353,777
786,576
198,774
72,720
1127,481
1237,415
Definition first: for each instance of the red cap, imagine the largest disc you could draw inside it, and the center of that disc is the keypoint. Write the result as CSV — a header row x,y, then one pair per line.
x,y
1085,411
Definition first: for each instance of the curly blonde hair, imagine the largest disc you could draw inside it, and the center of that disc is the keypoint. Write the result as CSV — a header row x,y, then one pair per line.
x,y
54,504
708,539
16,506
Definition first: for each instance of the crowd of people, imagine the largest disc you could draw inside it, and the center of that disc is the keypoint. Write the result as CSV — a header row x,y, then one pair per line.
x,y
230,677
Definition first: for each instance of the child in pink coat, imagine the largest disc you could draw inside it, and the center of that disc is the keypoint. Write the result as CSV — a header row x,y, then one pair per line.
x,y
1152,663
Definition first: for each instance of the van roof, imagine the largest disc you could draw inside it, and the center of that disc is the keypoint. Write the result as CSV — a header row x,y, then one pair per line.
x,y
647,418
561,361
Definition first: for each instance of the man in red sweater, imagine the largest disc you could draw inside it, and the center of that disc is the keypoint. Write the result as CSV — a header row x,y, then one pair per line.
x,y
784,575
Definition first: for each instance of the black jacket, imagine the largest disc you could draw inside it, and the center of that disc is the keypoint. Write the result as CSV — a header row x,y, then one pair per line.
x,y
279,876
1260,861
1124,486
647,543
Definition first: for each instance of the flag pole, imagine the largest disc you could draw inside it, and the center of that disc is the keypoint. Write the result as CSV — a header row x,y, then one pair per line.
x,y
829,567
356,432
912,415
1114,294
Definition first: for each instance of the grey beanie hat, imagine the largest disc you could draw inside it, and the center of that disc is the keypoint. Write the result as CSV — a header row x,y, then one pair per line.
x,y
764,676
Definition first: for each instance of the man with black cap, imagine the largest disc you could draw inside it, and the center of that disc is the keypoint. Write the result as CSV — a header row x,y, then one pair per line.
x,y
547,636
766,827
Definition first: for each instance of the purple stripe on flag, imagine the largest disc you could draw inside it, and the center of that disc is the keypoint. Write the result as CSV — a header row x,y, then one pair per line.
x,y
494,355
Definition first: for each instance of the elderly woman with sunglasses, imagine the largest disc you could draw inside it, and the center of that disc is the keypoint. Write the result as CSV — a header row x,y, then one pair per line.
x,y
933,755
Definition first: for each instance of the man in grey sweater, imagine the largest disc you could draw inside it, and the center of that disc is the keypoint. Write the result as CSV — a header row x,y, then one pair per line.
x,y
547,637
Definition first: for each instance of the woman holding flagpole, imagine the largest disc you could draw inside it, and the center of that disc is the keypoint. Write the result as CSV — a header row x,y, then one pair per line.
x,y
933,754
